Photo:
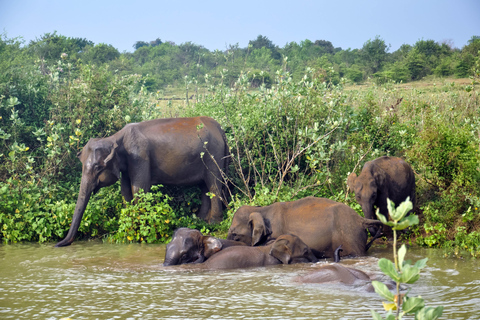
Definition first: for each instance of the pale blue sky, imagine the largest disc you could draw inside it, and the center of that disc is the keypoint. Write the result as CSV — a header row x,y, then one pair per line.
x,y
215,24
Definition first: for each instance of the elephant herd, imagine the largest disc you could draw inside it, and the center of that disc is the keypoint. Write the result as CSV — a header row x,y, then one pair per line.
x,y
194,151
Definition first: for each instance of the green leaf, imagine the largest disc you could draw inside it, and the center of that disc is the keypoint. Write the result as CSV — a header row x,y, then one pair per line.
x,y
381,217
407,222
412,305
420,264
429,313
382,290
401,255
410,274
388,268
391,209
376,315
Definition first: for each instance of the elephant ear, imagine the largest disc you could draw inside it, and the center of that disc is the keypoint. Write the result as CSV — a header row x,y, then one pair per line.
x,y
211,246
351,180
281,250
258,227
111,154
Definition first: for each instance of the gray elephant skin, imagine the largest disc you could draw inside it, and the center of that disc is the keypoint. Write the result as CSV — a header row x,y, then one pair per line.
x,y
286,249
161,151
191,246
382,178
322,224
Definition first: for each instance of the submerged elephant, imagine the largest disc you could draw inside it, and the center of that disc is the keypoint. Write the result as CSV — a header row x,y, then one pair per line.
x,y
322,224
337,273
286,249
382,178
162,151
191,246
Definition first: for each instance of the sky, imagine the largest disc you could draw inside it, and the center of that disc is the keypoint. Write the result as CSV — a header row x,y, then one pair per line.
x,y
217,24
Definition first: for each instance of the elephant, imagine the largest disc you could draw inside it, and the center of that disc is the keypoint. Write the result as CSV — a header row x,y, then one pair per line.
x,y
286,249
337,273
382,178
173,151
191,246
321,223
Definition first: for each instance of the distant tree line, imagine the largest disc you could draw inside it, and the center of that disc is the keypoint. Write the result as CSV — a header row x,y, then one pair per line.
x,y
163,63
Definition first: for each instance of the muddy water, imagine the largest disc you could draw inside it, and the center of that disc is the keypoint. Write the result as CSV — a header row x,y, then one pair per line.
x,y
92,280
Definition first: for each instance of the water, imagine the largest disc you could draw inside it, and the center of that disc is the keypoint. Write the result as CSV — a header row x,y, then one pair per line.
x,y
92,280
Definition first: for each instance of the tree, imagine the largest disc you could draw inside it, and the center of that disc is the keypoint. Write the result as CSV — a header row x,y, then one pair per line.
x,y
137,45
374,54
264,42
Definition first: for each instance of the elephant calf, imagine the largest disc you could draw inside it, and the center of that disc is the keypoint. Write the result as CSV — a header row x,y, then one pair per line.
x,y
337,273
191,246
286,249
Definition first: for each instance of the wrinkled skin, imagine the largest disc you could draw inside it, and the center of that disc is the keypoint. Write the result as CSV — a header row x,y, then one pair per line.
x,y
286,249
161,151
322,224
191,246
382,178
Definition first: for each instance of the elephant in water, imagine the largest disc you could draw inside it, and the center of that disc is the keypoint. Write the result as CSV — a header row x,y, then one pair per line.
x,y
382,178
191,246
337,273
322,224
286,249
161,151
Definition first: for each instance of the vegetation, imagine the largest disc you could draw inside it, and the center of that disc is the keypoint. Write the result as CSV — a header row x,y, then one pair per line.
x,y
298,120
401,271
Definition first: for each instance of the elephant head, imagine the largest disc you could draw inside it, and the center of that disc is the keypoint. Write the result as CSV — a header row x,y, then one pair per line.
x,y
367,186
289,249
190,246
249,227
100,169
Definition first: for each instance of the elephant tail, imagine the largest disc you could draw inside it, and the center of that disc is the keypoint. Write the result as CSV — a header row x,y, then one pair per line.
x,y
368,223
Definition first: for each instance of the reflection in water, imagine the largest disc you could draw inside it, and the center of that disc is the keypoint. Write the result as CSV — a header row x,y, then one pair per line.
x,y
91,280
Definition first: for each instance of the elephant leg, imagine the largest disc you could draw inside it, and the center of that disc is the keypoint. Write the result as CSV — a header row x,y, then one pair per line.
x,y
214,186
205,207
140,178
126,188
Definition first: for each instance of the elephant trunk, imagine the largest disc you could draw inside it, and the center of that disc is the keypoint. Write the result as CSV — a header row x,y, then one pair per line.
x,y
84,194
368,211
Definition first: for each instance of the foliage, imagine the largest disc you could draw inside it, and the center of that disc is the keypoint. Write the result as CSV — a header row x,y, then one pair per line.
x,y
296,127
402,271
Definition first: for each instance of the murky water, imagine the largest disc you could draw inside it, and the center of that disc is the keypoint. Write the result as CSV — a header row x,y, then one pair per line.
x,y
92,280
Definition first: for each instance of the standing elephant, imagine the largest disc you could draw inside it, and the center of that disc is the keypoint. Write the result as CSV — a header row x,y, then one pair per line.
x,y
382,178
286,249
191,246
161,151
322,224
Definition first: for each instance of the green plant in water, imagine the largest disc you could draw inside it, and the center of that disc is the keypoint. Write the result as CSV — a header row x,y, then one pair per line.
x,y
402,271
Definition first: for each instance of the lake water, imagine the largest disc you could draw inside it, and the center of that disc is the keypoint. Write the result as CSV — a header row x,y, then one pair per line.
x,y
93,280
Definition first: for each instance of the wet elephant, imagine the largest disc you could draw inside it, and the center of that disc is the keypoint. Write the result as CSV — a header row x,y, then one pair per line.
x,y
161,151
382,178
286,249
191,246
338,273
322,224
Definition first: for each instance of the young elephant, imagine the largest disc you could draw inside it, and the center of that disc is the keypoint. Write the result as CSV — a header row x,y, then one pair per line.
x,y
286,249
337,273
191,246
382,178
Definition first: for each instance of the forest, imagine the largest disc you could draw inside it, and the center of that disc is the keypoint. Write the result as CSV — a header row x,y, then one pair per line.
x,y
298,120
